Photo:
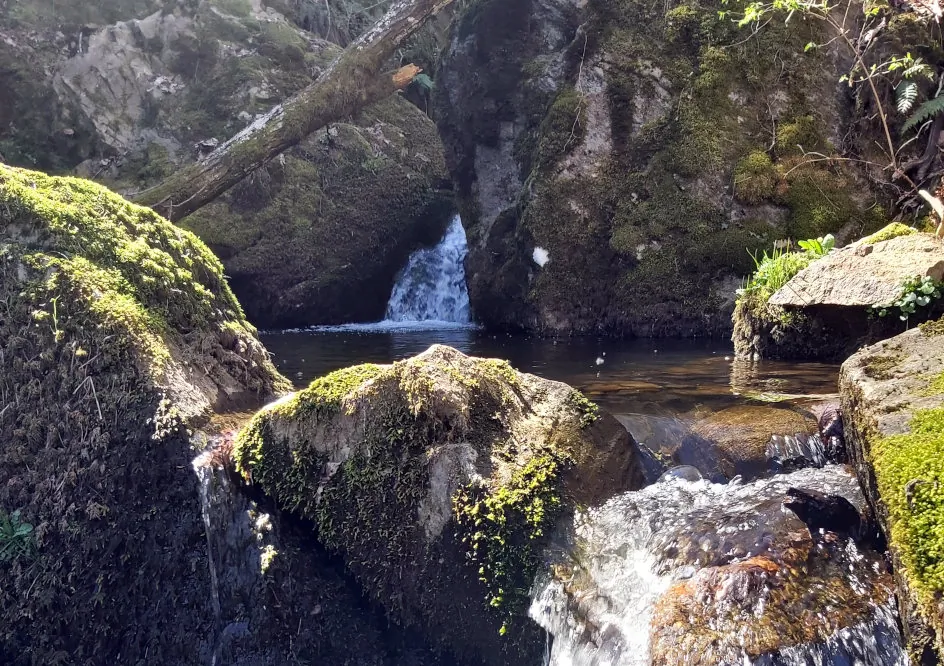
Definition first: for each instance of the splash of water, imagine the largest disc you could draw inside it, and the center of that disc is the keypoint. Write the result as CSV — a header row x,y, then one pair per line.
x,y
431,287
643,578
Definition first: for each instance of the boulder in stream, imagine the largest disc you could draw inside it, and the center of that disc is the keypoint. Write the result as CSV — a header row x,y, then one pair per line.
x,y
842,301
117,334
438,479
893,401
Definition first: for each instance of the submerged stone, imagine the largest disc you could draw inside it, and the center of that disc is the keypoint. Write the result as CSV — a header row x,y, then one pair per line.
x,y
438,479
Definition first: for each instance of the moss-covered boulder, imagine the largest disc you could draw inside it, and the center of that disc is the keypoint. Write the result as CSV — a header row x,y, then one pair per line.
x,y
130,102
438,480
893,402
117,334
616,160
799,306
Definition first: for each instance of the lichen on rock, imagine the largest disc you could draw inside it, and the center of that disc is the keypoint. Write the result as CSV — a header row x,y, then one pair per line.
x,y
117,334
438,480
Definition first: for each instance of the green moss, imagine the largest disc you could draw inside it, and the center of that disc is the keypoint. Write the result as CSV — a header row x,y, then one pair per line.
x,y
909,471
934,327
323,396
893,230
935,386
881,367
589,411
755,178
240,8
563,127
801,135
503,529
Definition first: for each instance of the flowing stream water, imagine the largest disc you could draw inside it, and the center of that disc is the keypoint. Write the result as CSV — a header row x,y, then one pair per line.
x,y
684,571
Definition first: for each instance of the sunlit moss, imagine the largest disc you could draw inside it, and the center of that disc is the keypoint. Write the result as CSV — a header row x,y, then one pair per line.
x,y
909,470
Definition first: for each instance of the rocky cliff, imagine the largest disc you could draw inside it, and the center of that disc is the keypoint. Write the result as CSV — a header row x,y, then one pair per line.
x,y
128,101
616,160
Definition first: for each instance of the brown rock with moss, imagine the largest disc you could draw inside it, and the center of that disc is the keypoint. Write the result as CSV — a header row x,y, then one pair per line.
x,y
893,402
117,334
438,480
131,102
645,151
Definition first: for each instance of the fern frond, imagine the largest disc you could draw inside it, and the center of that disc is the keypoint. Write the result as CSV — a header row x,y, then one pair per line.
x,y
918,69
906,93
924,112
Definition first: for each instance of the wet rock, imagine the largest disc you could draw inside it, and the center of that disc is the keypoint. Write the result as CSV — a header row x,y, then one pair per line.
x,y
738,437
437,480
118,334
824,512
893,401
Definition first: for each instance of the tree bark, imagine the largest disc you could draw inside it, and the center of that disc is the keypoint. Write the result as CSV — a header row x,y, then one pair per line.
x,y
347,85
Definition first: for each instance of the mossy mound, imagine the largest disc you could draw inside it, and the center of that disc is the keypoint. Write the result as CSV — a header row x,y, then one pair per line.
x,y
893,399
634,146
438,479
117,332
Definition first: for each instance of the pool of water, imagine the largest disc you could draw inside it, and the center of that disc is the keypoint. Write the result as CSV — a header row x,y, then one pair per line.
x,y
656,377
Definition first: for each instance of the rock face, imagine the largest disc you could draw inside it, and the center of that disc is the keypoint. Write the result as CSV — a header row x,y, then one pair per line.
x,y
118,333
864,275
437,479
130,102
828,310
893,400
614,160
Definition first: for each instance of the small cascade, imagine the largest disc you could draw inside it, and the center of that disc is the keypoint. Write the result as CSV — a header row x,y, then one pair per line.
x,y
204,476
786,453
698,573
431,287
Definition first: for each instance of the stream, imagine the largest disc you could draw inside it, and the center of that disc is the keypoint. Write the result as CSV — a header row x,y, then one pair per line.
x,y
705,565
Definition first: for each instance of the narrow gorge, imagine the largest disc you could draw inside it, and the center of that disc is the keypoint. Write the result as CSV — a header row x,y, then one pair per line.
x,y
471,333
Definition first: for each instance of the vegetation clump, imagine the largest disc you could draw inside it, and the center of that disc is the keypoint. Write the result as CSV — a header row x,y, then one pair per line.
x,y
893,230
909,470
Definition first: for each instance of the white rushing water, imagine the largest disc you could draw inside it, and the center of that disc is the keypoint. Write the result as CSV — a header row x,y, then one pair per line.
x,y
727,552
430,291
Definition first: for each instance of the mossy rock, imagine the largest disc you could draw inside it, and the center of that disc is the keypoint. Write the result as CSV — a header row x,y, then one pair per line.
x,y
117,334
893,402
438,480
646,150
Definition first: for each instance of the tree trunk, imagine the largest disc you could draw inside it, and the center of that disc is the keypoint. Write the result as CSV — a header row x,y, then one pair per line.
x,y
349,84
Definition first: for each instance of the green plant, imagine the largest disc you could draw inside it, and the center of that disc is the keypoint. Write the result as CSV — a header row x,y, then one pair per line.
x,y
915,293
774,270
818,247
16,537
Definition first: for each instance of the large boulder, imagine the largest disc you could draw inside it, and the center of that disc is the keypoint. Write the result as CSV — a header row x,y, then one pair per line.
x,y
852,297
893,400
438,480
616,161
117,334
130,102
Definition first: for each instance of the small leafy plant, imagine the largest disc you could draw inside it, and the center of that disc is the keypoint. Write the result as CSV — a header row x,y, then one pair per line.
x,y
16,537
915,293
776,269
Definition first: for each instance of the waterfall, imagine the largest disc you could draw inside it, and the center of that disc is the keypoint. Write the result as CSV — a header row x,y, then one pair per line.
x,y
431,287
699,573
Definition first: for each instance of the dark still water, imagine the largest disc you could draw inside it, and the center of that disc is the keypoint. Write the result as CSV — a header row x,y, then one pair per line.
x,y
656,377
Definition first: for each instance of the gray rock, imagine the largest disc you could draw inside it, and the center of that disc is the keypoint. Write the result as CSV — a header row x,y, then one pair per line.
x,y
864,275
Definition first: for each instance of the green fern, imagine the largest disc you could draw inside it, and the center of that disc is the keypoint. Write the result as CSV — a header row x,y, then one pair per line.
x,y
924,112
905,95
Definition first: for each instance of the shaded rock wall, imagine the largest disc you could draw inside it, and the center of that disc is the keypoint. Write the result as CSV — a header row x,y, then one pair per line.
x,y
646,151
